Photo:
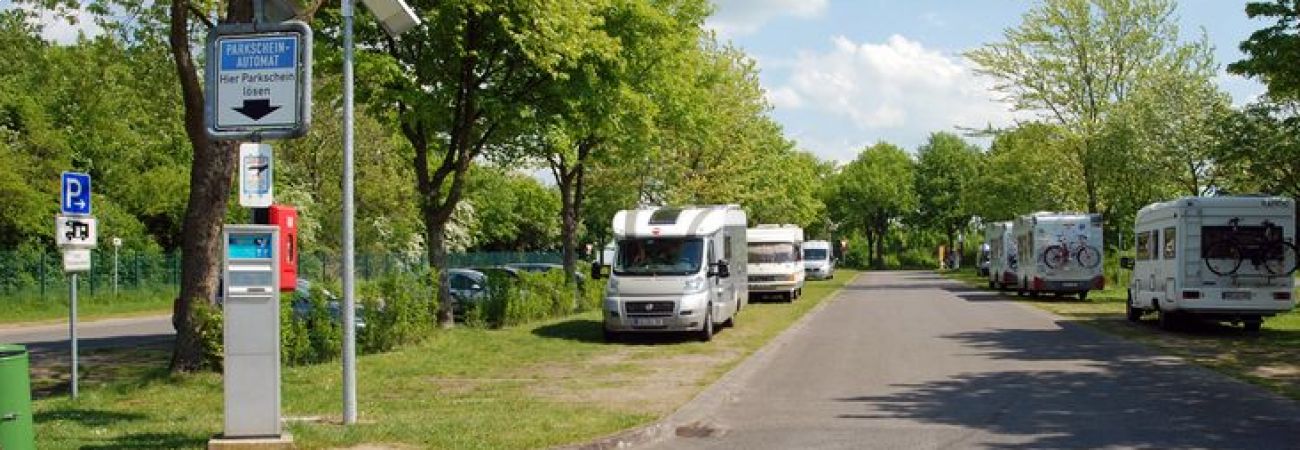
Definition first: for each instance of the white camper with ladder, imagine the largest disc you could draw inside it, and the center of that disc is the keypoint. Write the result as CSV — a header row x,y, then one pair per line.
x,y
1229,259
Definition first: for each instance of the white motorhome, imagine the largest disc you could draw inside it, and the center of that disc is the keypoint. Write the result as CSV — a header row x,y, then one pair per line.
x,y
1059,253
1223,258
676,270
776,260
818,261
1002,255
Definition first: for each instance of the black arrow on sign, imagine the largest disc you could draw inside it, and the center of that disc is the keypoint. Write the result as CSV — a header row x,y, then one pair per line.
x,y
256,109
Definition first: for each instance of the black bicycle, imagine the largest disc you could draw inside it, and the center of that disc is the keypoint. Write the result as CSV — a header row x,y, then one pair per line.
x,y
1264,246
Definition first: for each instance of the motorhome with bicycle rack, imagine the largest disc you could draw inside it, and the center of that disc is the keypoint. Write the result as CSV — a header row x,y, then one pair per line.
x,y
676,269
1058,253
1228,259
1002,255
776,260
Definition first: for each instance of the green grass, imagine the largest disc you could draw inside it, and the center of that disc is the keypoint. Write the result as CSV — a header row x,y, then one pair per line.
x,y
22,308
532,386
1270,359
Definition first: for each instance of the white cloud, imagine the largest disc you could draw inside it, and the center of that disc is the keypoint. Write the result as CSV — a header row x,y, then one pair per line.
x,y
740,17
887,90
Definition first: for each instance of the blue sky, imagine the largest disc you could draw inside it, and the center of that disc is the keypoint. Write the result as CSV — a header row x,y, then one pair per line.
x,y
843,74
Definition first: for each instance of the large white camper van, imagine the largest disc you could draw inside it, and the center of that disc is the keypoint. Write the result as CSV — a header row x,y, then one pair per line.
x,y
1002,255
1058,253
818,261
676,270
776,260
1223,258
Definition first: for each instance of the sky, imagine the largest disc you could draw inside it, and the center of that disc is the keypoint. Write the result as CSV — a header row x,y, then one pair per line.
x,y
845,74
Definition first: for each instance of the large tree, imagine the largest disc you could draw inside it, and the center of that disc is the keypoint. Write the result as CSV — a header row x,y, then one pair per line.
x,y
875,191
946,169
1074,61
466,85
1271,52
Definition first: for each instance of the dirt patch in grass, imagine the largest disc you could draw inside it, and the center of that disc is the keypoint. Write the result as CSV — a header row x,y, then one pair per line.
x,y
53,375
618,381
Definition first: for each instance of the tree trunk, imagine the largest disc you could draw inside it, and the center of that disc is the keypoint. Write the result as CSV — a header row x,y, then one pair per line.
x,y
211,174
437,255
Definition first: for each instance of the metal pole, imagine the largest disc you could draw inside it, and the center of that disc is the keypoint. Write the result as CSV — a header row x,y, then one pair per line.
x,y
349,303
72,330
114,270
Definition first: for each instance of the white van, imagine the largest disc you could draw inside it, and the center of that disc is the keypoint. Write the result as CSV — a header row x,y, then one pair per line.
x,y
1059,253
1002,255
676,270
776,260
1229,259
818,262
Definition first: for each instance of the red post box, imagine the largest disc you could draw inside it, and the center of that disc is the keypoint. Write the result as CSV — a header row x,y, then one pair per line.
x,y
286,217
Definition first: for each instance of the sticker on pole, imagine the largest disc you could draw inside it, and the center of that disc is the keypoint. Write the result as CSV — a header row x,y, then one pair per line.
x,y
259,83
256,189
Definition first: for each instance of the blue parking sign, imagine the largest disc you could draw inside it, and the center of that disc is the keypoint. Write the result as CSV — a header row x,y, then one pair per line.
x,y
75,198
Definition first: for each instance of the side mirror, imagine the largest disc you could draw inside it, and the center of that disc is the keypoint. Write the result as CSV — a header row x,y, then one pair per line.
x,y
723,270
1126,263
596,271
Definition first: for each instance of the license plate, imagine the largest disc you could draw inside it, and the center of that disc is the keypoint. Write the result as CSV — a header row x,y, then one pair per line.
x,y
1070,285
648,322
1236,295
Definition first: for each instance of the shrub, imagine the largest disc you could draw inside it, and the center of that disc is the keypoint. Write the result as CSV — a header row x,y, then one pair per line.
x,y
209,325
396,313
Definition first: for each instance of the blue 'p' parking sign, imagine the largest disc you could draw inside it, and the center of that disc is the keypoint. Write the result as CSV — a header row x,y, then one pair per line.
x,y
75,197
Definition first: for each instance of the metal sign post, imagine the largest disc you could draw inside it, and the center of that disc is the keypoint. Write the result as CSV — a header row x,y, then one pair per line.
x,y
75,232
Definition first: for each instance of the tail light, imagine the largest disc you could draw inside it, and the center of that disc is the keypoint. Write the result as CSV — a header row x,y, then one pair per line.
x,y
1191,295
1282,296
1099,283
1038,284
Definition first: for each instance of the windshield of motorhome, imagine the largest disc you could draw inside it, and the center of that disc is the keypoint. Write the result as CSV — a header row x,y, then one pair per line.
x,y
814,254
772,252
659,256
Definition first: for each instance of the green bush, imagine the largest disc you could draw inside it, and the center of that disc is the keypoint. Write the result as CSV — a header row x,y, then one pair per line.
x,y
533,297
208,323
396,313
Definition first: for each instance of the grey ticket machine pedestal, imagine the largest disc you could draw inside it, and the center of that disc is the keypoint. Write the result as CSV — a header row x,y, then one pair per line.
x,y
251,306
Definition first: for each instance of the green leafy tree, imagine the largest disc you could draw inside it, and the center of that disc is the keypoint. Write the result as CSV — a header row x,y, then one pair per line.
x,y
873,193
946,168
1074,61
1026,169
1271,51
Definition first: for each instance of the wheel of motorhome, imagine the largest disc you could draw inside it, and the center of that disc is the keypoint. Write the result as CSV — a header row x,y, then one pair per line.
x,y
1056,256
1088,257
706,330
612,336
1252,326
1223,258
1133,314
1281,259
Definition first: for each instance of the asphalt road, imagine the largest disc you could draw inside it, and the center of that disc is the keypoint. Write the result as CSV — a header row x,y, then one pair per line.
x,y
912,361
47,341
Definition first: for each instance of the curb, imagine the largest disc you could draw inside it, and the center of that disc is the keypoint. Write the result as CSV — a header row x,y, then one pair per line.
x,y
692,419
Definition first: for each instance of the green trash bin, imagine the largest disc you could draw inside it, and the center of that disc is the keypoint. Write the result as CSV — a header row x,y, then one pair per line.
x,y
15,399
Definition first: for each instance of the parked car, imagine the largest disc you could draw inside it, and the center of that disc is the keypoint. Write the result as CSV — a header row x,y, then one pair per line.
x,y
302,305
544,267
467,287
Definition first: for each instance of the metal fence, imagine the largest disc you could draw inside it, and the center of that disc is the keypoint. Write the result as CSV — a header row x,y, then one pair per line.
x,y
40,274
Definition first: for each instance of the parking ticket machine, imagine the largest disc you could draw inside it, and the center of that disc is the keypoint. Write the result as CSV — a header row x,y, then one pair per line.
x,y
251,307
